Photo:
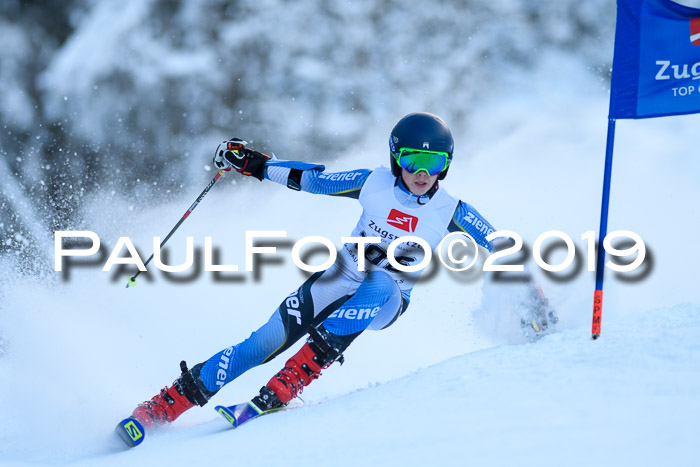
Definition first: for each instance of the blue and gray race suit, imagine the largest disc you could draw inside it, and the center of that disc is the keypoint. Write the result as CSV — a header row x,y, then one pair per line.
x,y
345,298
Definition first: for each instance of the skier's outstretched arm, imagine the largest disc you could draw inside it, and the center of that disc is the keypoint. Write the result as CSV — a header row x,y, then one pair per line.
x,y
537,315
468,220
298,176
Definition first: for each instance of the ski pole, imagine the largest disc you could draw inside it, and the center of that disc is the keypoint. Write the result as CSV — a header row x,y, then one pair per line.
x,y
132,279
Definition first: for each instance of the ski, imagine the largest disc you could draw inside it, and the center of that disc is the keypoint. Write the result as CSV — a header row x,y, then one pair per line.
x,y
130,431
239,414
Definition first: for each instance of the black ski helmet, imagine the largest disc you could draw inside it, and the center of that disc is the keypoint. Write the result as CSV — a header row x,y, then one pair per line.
x,y
420,130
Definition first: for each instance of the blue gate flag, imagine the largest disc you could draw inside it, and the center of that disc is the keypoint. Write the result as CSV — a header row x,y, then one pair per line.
x,y
656,66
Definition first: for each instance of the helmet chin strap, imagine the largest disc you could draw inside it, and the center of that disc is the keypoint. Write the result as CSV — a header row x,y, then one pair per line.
x,y
430,193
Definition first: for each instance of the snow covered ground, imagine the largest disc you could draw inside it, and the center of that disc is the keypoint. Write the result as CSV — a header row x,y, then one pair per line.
x,y
450,383
562,401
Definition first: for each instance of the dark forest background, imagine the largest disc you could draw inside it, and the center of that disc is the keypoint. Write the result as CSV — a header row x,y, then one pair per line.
x,y
131,97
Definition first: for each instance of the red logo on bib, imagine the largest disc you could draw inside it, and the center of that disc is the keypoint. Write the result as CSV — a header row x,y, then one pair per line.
x,y
402,221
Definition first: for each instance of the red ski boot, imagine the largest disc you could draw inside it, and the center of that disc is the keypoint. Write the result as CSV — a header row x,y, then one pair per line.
x,y
173,401
304,367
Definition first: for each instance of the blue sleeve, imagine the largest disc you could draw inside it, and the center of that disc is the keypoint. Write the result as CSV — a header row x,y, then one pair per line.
x,y
311,178
467,219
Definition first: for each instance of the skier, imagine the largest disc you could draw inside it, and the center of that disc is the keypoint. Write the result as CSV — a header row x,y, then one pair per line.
x,y
335,306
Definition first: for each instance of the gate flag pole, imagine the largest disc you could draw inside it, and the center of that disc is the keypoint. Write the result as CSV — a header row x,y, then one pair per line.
x,y
603,231
656,68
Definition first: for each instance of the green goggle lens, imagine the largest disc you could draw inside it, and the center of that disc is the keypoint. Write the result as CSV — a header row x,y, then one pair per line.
x,y
415,160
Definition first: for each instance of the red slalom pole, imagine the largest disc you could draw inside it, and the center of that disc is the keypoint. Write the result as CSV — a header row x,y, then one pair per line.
x,y
132,279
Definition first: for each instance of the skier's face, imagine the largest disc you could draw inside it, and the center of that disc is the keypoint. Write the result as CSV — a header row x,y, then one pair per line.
x,y
419,183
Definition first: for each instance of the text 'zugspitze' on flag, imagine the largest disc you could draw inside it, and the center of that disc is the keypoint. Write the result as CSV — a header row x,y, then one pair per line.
x,y
656,67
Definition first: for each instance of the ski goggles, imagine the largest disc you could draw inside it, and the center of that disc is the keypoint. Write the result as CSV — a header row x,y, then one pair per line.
x,y
415,160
